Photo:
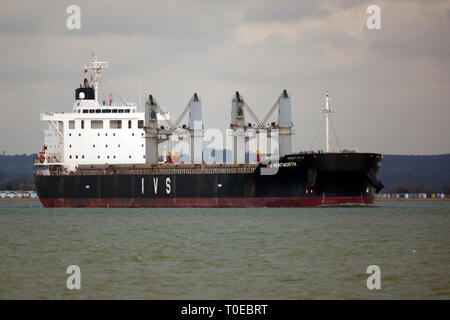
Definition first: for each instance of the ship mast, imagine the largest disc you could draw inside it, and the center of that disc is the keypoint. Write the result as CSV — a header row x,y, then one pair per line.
x,y
327,110
96,66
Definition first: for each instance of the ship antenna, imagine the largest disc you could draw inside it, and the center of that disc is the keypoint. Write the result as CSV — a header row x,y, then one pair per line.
x,y
327,110
96,66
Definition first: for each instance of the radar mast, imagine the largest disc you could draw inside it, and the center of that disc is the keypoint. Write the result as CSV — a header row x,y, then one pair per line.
x,y
327,110
96,67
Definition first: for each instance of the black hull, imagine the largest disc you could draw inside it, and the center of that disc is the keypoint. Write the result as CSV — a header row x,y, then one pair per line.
x,y
301,180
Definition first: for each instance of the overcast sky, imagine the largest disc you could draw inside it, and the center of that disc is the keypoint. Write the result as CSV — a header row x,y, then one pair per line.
x,y
390,87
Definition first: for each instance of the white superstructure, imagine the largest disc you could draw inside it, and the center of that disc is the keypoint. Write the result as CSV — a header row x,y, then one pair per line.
x,y
95,132
100,131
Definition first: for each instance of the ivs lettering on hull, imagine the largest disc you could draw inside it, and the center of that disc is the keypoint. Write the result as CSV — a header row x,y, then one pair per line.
x,y
168,186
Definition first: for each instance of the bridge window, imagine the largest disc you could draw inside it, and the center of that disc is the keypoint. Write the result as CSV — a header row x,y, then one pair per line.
x,y
106,110
96,124
98,110
115,124
85,110
91,111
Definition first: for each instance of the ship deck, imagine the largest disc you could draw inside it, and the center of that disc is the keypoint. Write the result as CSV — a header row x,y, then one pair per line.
x,y
151,169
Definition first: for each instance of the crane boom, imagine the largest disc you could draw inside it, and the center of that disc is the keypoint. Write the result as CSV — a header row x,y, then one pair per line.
x,y
177,122
271,111
163,113
252,114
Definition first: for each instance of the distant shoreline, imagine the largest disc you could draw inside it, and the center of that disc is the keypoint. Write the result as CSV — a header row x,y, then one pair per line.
x,y
19,199
409,199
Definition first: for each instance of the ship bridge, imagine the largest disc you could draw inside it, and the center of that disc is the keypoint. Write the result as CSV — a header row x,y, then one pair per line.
x,y
97,131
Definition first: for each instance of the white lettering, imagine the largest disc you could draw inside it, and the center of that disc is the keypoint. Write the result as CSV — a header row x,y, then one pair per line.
x,y
374,21
74,20
274,154
155,184
374,281
246,308
213,145
168,188
198,310
74,280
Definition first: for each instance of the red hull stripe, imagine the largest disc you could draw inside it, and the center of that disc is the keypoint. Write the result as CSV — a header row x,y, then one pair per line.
x,y
250,202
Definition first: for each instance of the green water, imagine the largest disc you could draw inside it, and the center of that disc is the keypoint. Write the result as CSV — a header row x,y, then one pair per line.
x,y
298,253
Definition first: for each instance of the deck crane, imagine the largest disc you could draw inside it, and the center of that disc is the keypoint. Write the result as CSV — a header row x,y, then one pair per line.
x,y
284,124
155,135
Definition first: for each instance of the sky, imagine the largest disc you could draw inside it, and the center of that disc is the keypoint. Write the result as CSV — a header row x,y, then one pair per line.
x,y
390,87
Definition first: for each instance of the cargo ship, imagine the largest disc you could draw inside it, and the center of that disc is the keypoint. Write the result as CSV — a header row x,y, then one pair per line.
x,y
107,153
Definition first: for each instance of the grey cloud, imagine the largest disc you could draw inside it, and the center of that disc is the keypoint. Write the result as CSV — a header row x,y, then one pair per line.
x,y
419,31
281,11
162,18
390,87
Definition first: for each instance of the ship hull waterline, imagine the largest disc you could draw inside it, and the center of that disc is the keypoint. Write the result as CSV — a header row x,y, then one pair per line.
x,y
207,202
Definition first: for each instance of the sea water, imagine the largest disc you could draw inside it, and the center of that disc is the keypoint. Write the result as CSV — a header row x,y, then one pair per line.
x,y
193,253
